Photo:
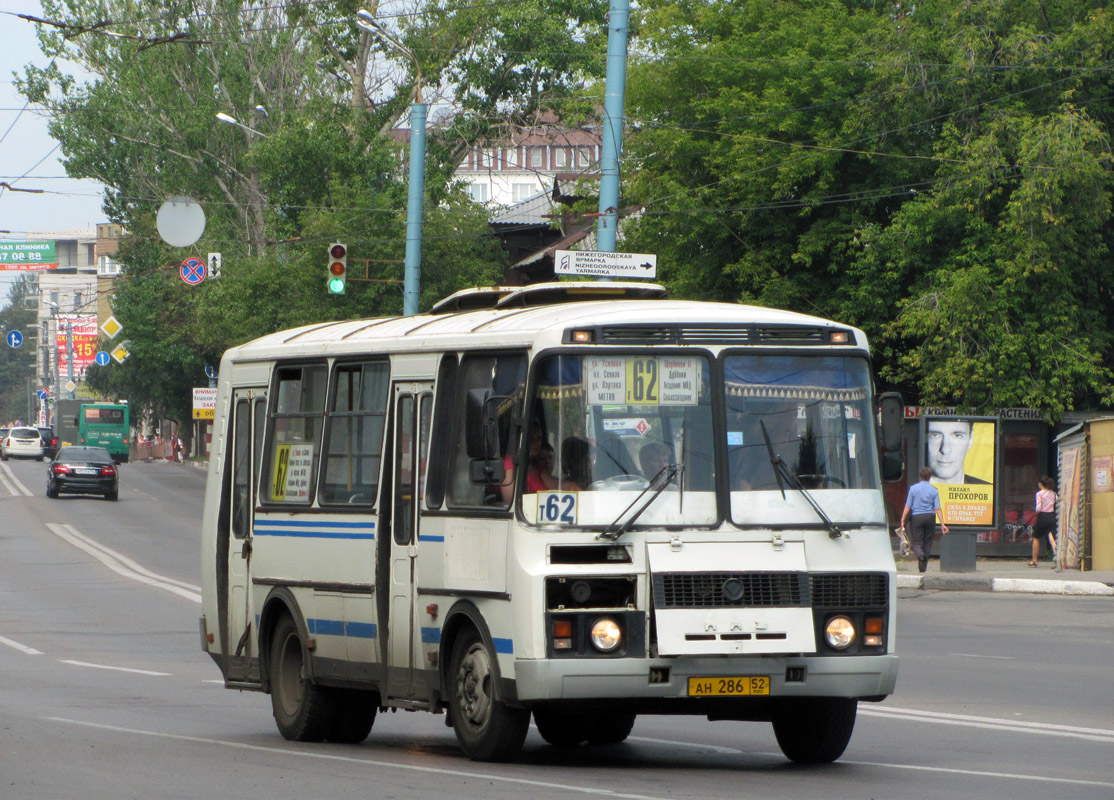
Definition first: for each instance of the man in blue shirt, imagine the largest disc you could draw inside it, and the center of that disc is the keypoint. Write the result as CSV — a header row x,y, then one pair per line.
x,y
922,507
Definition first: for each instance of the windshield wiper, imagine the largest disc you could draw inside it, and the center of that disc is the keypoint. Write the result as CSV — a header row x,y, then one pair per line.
x,y
782,470
667,474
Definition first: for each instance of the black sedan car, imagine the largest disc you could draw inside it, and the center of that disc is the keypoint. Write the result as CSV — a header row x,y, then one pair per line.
x,y
50,442
83,470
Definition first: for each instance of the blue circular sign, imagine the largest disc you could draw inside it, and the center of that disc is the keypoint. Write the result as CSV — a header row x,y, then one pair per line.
x,y
15,338
103,358
41,394
193,271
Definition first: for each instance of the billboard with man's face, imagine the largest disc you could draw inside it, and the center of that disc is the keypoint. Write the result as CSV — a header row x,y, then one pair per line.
x,y
960,451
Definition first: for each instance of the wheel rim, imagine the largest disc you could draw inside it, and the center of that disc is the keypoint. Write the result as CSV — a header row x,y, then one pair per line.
x,y
290,676
474,686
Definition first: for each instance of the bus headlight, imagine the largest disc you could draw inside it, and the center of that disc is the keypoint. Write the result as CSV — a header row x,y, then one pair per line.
x,y
839,633
606,634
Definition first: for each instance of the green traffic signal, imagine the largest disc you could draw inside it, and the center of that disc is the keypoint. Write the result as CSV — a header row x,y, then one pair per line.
x,y
338,267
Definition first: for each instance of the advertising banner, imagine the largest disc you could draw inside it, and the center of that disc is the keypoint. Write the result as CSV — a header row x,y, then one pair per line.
x,y
960,451
83,331
27,256
1069,522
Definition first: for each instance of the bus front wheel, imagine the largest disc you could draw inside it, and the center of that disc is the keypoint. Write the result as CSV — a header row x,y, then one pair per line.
x,y
486,727
301,708
814,730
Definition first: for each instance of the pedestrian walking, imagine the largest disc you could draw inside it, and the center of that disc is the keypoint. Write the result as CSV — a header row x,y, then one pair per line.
x,y
1046,519
922,508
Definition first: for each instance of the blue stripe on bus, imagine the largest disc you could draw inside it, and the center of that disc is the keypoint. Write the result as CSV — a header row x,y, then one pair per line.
x,y
431,636
338,627
315,530
503,645
430,538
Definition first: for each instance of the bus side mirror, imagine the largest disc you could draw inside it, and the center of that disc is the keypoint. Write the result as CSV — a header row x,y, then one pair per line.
x,y
482,423
892,414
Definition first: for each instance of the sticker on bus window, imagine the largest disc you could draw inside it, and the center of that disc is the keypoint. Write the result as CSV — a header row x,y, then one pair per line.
x,y
643,380
293,468
556,508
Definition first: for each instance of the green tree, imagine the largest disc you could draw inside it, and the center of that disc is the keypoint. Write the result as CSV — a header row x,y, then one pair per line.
x,y
17,364
941,178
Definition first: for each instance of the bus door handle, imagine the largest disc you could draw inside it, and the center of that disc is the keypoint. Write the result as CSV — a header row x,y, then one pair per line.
x,y
245,551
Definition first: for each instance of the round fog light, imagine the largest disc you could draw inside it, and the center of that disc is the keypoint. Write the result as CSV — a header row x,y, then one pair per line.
x,y
839,633
606,635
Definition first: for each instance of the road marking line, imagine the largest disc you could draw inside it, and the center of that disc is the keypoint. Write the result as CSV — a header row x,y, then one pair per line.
x,y
1017,726
8,478
494,777
123,565
117,669
976,655
31,651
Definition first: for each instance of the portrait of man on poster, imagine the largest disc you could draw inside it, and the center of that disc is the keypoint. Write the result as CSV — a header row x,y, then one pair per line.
x,y
946,444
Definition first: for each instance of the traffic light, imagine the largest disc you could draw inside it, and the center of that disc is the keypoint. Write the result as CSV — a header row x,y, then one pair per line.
x,y
338,267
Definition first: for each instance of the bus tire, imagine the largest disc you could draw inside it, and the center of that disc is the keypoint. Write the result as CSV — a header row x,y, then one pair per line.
x,y
562,729
354,713
611,728
486,727
814,730
302,709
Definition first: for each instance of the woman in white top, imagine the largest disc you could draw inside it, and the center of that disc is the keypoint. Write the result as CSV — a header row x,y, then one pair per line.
x,y
1046,519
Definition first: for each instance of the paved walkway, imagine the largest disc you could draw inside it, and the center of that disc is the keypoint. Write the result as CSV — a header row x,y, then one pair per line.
x,y
1005,575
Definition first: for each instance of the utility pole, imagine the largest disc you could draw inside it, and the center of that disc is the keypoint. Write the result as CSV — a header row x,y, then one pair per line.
x,y
613,103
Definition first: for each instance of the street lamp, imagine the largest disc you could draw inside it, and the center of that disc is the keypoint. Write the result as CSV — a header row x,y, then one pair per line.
x,y
412,263
233,121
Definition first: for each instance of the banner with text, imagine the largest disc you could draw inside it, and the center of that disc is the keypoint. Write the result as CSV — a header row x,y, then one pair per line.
x,y
960,451
82,330
27,256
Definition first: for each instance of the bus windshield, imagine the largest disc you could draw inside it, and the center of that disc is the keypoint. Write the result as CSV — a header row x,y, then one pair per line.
x,y
812,411
614,425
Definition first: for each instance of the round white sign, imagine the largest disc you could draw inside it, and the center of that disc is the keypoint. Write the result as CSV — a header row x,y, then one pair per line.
x,y
180,221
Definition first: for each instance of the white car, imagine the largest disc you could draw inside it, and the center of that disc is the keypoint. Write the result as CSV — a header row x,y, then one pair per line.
x,y
22,443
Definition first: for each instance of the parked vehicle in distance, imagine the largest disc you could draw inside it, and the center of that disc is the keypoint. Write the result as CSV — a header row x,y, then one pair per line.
x,y
105,425
22,443
83,470
50,442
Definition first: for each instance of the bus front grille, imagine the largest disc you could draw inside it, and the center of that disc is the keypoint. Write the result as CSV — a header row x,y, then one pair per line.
x,y
770,590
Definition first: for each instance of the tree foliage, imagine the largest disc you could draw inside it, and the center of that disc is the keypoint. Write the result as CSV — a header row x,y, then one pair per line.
x,y
941,178
17,364
311,161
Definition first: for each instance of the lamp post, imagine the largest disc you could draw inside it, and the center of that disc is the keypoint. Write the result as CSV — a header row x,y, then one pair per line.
x,y
613,101
233,121
412,264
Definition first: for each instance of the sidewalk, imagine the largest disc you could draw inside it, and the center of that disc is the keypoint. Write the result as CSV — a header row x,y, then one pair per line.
x,y
1004,575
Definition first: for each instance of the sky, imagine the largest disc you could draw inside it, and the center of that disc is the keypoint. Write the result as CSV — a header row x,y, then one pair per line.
x,y
28,156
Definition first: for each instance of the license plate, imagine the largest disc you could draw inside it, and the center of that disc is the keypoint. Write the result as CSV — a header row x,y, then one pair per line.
x,y
80,471
744,686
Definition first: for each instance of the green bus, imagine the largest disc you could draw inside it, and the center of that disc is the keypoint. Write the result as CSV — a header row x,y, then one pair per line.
x,y
105,425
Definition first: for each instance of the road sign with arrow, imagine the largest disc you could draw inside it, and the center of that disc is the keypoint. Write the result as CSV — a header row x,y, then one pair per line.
x,y
605,265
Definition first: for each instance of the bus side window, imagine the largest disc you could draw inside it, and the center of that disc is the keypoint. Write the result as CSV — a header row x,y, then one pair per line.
x,y
499,374
241,471
293,446
354,426
445,390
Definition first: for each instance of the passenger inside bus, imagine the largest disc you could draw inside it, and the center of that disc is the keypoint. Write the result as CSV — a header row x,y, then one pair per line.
x,y
653,458
536,481
576,464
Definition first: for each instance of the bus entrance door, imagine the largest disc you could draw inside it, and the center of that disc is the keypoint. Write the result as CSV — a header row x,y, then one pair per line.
x,y
249,408
413,408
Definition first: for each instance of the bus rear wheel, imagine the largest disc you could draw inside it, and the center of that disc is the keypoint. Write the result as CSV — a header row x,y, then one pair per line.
x,y
814,730
486,727
302,710
354,713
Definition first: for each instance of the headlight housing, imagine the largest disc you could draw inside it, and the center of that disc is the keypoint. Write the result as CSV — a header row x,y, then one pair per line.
x,y
839,633
606,634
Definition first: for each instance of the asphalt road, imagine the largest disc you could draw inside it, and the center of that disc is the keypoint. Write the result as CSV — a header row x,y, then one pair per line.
x,y
105,692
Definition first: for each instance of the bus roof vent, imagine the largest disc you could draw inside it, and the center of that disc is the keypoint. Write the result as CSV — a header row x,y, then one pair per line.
x,y
546,294
637,334
474,299
790,334
714,334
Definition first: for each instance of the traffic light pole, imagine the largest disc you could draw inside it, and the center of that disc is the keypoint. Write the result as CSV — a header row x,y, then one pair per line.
x,y
411,283
612,146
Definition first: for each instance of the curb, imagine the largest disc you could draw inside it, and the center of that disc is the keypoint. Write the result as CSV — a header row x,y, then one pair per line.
x,y
966,583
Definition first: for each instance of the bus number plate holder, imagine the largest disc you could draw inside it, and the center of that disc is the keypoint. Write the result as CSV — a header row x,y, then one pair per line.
x,y
736,686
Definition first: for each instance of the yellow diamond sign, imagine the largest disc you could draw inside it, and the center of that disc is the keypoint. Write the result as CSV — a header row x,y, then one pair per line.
x,y
120,353
111,327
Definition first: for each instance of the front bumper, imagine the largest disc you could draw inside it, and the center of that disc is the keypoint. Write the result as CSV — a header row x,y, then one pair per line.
x,y
645,679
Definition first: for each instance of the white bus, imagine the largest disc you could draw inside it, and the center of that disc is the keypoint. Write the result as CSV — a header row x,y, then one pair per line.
x,y
577,502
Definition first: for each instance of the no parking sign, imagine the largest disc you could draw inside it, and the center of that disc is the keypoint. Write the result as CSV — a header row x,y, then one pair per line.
x,y
193,271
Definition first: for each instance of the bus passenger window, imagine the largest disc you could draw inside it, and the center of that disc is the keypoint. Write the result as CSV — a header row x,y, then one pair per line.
x,y
297,410
354,434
